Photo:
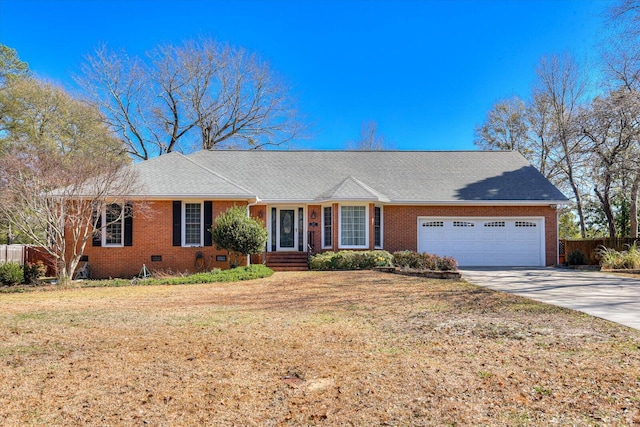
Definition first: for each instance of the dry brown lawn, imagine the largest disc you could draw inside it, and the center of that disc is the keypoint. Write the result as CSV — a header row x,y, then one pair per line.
x,y
354,348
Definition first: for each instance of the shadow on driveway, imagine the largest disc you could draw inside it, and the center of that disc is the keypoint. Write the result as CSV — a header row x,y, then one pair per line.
x,y
608,296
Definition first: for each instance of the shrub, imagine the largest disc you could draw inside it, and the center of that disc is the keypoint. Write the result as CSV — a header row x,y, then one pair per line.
x,y
610,258
350,260
11,274
447,263
577,258
424,261
32,272
238,234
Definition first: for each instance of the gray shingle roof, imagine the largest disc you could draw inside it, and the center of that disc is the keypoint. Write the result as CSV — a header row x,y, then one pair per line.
x,y
316,176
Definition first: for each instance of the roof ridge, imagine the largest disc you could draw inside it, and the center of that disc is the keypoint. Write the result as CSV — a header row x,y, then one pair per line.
x,y
224,178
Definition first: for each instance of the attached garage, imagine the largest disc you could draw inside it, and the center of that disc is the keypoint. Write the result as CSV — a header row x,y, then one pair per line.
x,y
486,241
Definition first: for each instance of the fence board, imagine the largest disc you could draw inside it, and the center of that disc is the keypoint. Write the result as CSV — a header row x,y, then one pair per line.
x,y
588,246
12,253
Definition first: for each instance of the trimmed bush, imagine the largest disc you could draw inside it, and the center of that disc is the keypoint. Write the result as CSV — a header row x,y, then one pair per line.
x,y
11,274
424,261
238,234
577,258
350,260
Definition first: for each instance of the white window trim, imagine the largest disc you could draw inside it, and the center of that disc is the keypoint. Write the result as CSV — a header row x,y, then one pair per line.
x,y
104,227
324,245
381,227
183,224
366,229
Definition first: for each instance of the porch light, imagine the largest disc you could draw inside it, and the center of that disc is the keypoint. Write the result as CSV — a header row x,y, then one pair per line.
x,y
313,214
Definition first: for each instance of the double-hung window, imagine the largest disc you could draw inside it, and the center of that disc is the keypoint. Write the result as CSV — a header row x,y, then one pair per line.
x,y
192,221
113,220
353,227
192,224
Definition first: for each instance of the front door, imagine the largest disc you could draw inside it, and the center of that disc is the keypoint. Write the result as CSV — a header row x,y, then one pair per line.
x,y
289,224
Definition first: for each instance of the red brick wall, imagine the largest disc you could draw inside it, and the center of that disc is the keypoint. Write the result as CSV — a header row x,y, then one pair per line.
x,y
152,235
315,227
401,224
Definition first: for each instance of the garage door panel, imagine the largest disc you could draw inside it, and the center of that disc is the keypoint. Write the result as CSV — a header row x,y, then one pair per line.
x,y
484,241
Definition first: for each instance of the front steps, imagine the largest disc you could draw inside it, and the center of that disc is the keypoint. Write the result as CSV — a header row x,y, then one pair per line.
x,y
287,261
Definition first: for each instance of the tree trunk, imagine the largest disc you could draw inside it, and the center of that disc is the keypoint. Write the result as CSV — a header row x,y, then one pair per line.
x,y
606,206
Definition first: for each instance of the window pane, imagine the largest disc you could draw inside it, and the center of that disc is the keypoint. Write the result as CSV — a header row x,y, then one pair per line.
x,y
327,226
192,225
353,226
113,221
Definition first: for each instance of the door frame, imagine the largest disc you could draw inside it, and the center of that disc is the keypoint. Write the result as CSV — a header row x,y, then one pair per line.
x,y
296,221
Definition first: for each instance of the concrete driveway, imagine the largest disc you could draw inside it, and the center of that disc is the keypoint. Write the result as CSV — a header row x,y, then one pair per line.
x,y
608,296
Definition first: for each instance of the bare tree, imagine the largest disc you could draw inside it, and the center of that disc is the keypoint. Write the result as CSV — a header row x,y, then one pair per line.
x,y
60,167
201,94
370,139
505,128
562,87
612,126
621,58
526,127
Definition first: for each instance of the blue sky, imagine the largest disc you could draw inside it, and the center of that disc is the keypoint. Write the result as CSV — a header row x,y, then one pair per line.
x,y
426,71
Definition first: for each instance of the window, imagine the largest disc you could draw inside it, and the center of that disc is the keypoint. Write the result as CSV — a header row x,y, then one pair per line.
x,y
433,224
525,224
115,227
353,226
494,224
377,226
463,224
113,219
192,224
326,227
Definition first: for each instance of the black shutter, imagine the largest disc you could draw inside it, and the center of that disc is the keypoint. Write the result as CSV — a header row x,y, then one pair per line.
x,y
177,223
97,236
208,222
128,224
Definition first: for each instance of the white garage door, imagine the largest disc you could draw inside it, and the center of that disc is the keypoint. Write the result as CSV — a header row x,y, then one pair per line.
x,y
484,241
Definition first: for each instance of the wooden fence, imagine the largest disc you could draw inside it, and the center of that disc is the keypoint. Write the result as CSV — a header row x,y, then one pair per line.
x,y
23,254
12,253
588,246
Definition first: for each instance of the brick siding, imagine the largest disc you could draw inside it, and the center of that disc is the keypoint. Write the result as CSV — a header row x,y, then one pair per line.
x,y
152,235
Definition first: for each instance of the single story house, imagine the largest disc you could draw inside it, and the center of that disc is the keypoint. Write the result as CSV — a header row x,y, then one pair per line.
x,y
484,208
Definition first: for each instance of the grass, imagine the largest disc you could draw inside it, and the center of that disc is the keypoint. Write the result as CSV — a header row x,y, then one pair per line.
x,y
311,348
251,272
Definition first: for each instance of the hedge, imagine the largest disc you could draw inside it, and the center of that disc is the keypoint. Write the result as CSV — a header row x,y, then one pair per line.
x,y
424,261
350,260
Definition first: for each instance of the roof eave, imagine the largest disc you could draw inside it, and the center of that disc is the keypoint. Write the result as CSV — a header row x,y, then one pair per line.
x,y
479,202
